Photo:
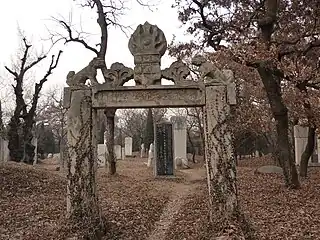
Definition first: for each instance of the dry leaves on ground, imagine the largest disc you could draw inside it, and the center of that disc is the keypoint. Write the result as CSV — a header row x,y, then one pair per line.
x,y
32,203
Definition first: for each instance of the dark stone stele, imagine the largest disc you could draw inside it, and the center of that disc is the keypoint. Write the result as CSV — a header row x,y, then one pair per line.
x,y
164,152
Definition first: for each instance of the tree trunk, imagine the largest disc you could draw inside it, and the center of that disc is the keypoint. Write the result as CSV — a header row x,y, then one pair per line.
x,y
28,155
311,132
307,153
110,113
82,201
284,151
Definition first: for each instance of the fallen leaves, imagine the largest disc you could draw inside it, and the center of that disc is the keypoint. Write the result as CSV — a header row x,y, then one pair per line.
x,y
32,203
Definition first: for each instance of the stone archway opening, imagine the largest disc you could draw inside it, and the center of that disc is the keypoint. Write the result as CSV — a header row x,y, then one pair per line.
x,y
215,92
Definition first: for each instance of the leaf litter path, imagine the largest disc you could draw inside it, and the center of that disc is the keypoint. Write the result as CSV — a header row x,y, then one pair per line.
x,y
180,192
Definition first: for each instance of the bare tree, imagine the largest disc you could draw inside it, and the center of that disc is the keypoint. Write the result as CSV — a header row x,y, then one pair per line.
x,y
21,123
54,113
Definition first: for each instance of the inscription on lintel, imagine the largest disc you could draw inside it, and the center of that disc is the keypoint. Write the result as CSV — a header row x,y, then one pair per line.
x,y
148,97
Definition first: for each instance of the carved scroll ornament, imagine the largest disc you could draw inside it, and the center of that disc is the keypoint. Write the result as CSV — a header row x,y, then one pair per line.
x,y
177,72
118,74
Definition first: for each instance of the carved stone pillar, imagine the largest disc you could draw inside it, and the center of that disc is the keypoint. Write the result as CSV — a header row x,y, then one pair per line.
x,y
219,150
220,161
82,201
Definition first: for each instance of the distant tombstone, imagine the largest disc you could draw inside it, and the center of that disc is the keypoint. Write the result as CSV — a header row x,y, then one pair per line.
x,y
150,155
123,153
179,140
300,141
142,150
117,152
128,146
163,150
101,155
4,151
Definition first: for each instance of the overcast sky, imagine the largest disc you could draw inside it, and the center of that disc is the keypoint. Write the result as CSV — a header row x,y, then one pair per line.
x,y
34,17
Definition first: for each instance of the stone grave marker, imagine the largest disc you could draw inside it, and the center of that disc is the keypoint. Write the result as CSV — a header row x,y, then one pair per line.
x,y
117,151
179,140
163,150
102,154
128,146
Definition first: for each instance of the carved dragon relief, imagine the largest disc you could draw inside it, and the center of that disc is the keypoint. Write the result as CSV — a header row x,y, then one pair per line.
x,y
89,72
117,75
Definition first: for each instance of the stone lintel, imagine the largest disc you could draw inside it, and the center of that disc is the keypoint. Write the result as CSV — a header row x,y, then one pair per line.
x,y
148,96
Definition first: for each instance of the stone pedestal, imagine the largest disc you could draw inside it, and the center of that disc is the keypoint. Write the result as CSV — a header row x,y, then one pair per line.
x,y
128,146
179,141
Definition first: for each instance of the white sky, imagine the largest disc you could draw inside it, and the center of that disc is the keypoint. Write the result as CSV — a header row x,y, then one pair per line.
x,y
33,17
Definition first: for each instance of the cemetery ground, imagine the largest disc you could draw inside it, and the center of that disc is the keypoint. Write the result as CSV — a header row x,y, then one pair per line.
x,y
138,206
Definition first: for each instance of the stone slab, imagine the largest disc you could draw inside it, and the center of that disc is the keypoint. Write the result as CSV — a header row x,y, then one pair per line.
x,y
147,96
270,169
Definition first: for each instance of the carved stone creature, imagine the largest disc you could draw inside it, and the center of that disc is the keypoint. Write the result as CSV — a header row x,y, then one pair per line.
x,y
209,72
118,74
177,72
89,72
213,75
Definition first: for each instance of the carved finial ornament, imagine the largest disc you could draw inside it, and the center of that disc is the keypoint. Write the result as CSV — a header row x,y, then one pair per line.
x,y
147,44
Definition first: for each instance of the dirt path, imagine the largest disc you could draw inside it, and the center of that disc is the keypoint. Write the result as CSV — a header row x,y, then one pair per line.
x,y
180,192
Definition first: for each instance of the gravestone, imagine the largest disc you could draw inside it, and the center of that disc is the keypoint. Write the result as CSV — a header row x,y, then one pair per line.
x,y
179,140
4,150
142,150
117,151
300,141
128,146
150,155
163,150
102,155
123,153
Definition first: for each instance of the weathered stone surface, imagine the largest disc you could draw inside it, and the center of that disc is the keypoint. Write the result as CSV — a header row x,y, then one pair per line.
x,y
153,96
269,169
81,191
179,140
150,155
177,72
117,75
117,152
147,44
164,161
128,146
87,73
300,141
101,155
4,151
